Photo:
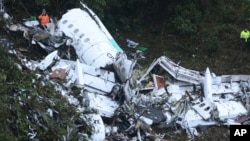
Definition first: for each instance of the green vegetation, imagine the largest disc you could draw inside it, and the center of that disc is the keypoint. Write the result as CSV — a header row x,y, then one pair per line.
x,y
24,104
203,33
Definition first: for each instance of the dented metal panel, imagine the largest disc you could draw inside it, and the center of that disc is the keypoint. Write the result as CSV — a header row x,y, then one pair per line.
x,y
104,76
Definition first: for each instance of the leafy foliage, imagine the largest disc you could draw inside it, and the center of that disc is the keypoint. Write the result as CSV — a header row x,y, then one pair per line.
x,y
96,5
25,105
185,19
246,8
209,27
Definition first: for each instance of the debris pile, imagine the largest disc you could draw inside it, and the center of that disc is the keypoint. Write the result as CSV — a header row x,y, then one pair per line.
x,y
120,101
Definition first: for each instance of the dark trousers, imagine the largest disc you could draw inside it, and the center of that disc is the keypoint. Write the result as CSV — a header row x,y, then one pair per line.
x,y
244,43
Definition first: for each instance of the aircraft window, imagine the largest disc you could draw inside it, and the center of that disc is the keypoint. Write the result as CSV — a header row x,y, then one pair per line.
x,y
202,104
206,109
179,119
86,40
76,30
65,21
71,25
81,35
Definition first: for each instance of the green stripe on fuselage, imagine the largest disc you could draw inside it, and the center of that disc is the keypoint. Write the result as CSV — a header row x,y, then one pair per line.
x,y
115,45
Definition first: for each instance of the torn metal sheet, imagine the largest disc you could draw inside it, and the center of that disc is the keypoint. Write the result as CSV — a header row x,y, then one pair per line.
x,y
45,63
153,113
177,71
97,72
79,73
193,119
104,105
84,75
204,109
96,122
213,100
230,109
109,85
123,67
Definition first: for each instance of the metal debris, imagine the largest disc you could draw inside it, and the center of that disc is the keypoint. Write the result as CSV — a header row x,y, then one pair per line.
x,y
110,87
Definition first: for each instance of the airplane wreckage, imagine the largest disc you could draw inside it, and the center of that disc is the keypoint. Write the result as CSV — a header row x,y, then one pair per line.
x,y
164,95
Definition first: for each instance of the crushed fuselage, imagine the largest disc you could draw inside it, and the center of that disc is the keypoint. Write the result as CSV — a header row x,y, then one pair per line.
x,y
109,86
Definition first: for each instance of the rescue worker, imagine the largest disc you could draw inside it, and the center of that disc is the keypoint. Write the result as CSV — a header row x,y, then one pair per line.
x,y
44,18
244,35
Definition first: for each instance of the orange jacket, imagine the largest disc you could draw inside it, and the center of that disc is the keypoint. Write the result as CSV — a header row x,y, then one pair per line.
x,y
44,19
